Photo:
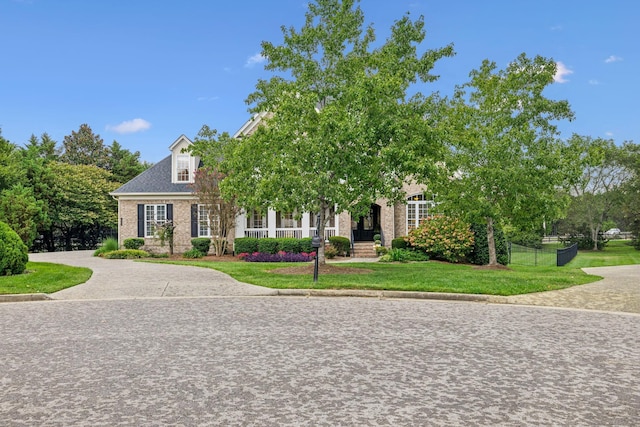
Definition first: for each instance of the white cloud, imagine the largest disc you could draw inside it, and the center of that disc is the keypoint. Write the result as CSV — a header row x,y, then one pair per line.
x,y
561,72
613,58
130,126
556,28
609,134
255,59
594,82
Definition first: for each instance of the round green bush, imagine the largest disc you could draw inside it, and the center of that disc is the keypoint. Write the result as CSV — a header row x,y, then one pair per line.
x,y
13,252
201,244
399,243
133,243
341,243
443,238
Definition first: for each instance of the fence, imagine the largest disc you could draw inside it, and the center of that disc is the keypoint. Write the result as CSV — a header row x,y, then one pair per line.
x,y
522,255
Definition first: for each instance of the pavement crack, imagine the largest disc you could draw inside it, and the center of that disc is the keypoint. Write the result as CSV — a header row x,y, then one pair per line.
x,y
165,289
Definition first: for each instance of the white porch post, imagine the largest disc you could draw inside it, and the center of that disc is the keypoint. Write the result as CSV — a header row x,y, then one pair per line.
x,y
305,224
271,223
241,223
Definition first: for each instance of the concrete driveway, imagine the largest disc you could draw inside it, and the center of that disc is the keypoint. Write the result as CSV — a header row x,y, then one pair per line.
x,y
117,279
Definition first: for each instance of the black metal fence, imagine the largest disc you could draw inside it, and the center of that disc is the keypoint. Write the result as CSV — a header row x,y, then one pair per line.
x,y
523,255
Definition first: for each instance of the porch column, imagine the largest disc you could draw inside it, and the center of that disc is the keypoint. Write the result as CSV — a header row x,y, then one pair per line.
x,y
271,223
306,224
241,223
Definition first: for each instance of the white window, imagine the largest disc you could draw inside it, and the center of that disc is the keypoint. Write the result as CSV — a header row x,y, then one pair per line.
x,y
256,220
204,224
182,168
418,209
287,220
155,215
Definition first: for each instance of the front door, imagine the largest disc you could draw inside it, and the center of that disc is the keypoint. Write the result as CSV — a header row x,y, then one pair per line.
x,y
367,226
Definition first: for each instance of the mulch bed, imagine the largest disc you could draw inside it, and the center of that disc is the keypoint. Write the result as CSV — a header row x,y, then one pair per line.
x,y
322,269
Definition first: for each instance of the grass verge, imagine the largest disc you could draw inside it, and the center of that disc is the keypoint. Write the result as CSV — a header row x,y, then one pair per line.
x,y
423,277
44,277
617,252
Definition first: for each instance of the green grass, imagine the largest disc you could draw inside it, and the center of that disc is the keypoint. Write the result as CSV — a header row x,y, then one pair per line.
x,y
617,252
424,277
44,277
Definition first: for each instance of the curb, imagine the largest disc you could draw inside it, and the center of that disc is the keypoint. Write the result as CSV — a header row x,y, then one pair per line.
x,y
24,297
391,294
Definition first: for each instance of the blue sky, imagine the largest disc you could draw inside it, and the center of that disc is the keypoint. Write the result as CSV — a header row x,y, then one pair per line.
x,y
144,72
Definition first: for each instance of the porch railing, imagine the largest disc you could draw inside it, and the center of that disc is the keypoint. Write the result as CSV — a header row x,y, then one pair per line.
x,y
328,232
256,233
289,232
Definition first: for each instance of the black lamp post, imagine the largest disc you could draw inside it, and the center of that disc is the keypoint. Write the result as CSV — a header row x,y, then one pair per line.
x,y
315,244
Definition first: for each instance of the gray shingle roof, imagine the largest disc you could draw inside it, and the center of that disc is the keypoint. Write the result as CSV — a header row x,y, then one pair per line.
x,y
156,179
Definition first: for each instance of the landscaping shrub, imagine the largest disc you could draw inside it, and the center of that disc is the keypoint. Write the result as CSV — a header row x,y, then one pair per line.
x,y
443,238
330,252
381,250
305,245
245,245
201,244
341,243
585,243
133,243
126,254
399,243
268,246
193,254
480,253
13,252
403,255
108,245
289,244
277,257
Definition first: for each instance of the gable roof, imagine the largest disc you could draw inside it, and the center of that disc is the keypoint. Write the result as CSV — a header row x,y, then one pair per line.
x,y
156,179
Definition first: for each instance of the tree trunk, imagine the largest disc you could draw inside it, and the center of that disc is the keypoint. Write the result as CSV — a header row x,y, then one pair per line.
x,y
491,242
320,224
594,236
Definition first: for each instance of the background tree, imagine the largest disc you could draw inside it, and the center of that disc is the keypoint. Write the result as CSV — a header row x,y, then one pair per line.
x,y
81,207
22,212
84,148
123,164
44,148
10,173
505,161
596,194
221,211
341,130
631,189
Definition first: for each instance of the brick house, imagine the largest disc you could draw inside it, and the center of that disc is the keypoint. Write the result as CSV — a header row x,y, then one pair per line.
x,y
163,193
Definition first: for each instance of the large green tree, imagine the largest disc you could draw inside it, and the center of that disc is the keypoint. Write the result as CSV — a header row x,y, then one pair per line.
x,y
596,194
81,201
84,148
340,128
505,162
123,164
24,214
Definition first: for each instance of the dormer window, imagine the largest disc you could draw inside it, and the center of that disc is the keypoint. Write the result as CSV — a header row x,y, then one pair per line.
x,y
182,168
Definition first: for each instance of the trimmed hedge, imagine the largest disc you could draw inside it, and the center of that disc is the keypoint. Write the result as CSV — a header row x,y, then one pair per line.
x,y
399,243
480,253
268,246
250,245
201,244
342,244
245,245
126,254
133,243
13,252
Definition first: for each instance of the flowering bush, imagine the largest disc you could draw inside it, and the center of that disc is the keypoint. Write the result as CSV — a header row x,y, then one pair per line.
x,y
277,257
443,238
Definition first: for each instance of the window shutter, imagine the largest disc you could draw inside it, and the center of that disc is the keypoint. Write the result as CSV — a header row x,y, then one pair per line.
x,y
169,211
140,220
194,220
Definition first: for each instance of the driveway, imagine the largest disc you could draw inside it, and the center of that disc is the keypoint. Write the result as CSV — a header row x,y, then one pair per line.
x,y
117,279
619,291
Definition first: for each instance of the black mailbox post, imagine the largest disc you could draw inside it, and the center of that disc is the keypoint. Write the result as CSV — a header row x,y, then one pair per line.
x,y
315,244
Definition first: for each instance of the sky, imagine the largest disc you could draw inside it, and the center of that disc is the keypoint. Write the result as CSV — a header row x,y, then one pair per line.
x,y
144,72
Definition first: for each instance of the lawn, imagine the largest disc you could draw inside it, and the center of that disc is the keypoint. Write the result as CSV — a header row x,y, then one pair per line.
x,y
423,277
44,277
617,252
